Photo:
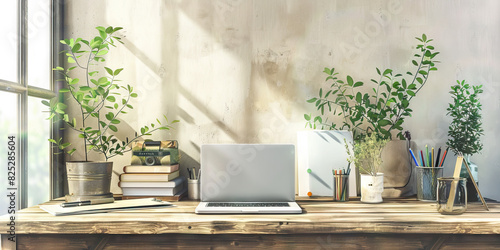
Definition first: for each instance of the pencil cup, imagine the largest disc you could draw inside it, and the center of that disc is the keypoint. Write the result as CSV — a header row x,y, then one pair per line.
x,y
427,182
193,189
341,187
452,195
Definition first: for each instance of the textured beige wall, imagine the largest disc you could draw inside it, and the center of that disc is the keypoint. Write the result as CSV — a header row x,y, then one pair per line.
x,y
240,71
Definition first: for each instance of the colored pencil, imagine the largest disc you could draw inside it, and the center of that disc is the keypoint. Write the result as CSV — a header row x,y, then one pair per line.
x,y
423,159
432,158
426,156
444,157
413,156
437,157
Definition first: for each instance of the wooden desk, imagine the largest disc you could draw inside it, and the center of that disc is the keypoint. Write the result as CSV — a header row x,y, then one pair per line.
x,y
396,223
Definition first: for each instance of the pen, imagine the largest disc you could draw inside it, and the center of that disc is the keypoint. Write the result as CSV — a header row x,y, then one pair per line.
x,y
194,173
87,202
189,173
413,156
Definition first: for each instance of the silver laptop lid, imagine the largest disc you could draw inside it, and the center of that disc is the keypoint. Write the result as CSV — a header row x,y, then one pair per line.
x,y
248,172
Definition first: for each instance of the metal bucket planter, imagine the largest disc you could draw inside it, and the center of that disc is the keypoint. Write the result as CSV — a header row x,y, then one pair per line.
x,y
89,180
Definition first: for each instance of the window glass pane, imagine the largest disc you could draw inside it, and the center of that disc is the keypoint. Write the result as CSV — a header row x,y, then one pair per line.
x,y
8,126
38,153
39,69
8,40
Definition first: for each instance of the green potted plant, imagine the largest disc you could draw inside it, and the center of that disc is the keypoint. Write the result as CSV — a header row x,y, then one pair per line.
x,y
367,158
100,100
379,108
465,129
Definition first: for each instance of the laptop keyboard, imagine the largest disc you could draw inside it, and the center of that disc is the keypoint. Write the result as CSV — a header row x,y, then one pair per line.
x,y
248,204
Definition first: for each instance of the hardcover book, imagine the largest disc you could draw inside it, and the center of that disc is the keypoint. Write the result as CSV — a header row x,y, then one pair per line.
x,y
150,169
149,177
153,184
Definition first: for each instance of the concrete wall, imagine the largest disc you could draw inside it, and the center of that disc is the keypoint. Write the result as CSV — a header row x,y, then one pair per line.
x,y
240,71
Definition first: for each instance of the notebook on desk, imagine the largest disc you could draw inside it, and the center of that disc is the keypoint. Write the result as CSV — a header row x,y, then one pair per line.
x,y
248,178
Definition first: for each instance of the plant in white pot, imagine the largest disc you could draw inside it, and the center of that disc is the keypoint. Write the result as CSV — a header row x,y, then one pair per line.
x,y
367,157
100,99
379,107
465,129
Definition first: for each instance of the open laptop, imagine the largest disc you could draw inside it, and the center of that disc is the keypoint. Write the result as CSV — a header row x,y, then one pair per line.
x,y
248,178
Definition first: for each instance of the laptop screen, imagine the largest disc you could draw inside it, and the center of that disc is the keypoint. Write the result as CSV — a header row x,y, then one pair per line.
x,y
248,172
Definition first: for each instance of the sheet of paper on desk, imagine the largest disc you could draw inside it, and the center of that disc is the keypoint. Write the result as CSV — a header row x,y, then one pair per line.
x,y
102,208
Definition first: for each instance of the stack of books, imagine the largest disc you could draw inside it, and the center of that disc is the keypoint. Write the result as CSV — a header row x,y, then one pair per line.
x,y
154,178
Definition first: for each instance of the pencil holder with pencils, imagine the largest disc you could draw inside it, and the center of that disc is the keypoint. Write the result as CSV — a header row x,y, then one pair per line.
x,y
429,167
427,182
340,185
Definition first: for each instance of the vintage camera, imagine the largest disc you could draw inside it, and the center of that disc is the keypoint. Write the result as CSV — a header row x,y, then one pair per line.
x,y
151,153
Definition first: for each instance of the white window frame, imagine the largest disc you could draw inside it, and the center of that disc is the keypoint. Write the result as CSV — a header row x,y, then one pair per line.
x,y
23,89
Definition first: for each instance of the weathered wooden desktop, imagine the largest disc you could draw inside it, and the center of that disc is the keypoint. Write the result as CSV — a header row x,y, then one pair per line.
x,y
394,224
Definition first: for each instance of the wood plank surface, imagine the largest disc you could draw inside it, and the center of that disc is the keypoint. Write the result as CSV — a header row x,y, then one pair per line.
x,y
301,241
393,216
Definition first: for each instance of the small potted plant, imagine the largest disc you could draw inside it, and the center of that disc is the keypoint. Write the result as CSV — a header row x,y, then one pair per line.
x,y
100,99
465,129
368,159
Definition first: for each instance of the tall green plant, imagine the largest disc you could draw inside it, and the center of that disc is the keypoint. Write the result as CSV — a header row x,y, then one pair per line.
x,y
383,108
98,96
465,129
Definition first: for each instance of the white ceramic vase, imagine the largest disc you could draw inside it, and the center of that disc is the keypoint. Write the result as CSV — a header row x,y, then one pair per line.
x,y
372,188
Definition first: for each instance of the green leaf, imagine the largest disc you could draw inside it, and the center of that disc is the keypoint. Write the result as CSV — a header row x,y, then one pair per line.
x,y
113,128
350,82
85,88
76,48
117,71
74,81
102,52
358,84
414,62
387,71
307,117
382,123
378,71
71,60
359,97
111,98
424,37
115,121
109,116
134,95
320,92
312,100
410,93
110,71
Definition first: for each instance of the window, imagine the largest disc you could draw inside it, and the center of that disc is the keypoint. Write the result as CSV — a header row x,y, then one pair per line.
x,y
26,79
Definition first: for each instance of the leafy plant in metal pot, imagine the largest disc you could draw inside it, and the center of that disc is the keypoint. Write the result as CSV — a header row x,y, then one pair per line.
x,y
100,100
